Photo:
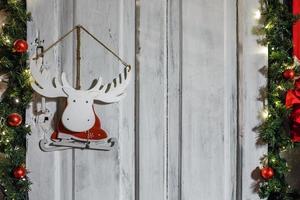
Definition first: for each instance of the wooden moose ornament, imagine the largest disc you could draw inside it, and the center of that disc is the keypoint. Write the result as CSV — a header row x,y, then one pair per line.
x,y
79,126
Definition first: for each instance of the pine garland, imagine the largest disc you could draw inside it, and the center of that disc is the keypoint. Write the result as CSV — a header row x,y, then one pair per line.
x,y
276,28
16,99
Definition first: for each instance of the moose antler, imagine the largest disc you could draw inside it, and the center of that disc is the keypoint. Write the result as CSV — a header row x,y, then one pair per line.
x,y
114,91
45,84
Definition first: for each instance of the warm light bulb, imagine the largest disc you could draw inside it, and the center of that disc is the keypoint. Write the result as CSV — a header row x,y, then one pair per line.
x,y
265,114
269,25
17,100
279,87
27,71
6,40
277,103
257,15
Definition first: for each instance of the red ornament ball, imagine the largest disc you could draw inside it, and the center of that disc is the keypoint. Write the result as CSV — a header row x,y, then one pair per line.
x,y
19,172
14,119
267,173
20,46
289,74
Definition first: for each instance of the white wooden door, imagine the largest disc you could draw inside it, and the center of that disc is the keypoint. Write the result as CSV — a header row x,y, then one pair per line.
x,y
185,126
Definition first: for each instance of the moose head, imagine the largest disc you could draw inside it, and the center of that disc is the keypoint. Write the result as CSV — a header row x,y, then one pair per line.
x,y
79,113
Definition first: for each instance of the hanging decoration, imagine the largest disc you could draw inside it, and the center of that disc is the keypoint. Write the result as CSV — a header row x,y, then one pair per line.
x,y
15,95
280,31
267,173
14,119
19,172
20,46
78,131
289,74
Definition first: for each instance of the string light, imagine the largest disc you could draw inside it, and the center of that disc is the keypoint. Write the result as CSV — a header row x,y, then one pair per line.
x,y
277,103
265,114
257,14
269,26
27,71
17,100
6,40
279,87
283,149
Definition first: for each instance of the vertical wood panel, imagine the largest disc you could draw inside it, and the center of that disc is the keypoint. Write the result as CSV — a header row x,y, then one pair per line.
x,y
152,100
174,100
107,175
51,173
186,100
97,173
251,60
208,99
127,105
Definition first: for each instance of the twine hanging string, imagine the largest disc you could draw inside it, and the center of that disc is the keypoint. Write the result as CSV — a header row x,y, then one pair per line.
x,y
90,34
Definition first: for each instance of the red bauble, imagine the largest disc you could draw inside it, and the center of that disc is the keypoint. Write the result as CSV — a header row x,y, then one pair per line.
x,y
20,46
14,119
19,172
267,173
289,74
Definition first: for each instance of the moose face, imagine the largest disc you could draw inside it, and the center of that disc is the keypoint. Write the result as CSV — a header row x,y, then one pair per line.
x,y
79,114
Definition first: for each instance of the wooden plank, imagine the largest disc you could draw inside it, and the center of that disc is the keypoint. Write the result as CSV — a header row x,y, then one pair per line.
x,y
127,105
208,99
251,59
152,106
51,173
107,175
174,100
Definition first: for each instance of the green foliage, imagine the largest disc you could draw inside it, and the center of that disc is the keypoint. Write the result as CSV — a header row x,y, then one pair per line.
x,y
276,31
13,140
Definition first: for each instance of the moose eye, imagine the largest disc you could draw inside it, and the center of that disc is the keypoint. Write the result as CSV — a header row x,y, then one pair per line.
x,y
68,119
86,101
74,100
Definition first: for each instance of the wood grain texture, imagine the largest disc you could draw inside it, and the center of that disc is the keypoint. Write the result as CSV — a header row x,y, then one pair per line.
x,y
78,174
178,125
51,172
152,100
208,99
174,126
252,59
107,175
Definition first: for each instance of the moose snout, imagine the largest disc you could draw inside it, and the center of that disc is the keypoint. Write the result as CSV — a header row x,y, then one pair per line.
x,y
78,119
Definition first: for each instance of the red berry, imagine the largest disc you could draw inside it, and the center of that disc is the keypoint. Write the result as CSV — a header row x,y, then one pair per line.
x,y
289,74
267,173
